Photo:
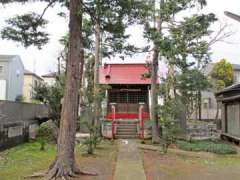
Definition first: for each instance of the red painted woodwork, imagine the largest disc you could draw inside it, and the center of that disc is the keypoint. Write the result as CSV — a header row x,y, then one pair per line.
x,y
123,74
141,122
111,115
113,121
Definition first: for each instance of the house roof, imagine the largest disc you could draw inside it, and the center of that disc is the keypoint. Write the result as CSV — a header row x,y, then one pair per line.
x,y
9,58
236,66
50,75
234,87
27,72
123,74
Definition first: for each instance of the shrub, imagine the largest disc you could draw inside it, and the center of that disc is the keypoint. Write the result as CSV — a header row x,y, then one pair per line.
x,y
45,134
207,146
52,96
168,124
20,98
94,137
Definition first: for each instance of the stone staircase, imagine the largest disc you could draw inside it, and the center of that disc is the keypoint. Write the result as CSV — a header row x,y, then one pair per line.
x,y
126,129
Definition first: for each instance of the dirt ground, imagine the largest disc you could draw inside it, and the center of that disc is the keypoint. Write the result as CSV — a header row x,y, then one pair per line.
x,y
103,163
174,166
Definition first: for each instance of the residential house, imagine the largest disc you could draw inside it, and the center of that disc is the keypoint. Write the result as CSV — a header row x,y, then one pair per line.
x,y
209,103
230,109
11,77
50,78
31,80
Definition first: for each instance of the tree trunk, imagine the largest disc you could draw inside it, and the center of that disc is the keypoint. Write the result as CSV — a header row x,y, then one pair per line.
x,y
199,97
154,98
217,113
218,122
96,102
64,165
199,106
171,93
181,116
154,77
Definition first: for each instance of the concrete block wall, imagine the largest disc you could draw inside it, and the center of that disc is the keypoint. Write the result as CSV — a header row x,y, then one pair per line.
x,y
17,120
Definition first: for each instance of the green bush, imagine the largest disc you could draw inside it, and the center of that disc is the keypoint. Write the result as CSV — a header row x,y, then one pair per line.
x,y
45,135
207,146
169,128
20,98
94,138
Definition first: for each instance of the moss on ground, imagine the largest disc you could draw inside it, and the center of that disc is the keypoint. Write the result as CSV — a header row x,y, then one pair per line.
x,y
207,146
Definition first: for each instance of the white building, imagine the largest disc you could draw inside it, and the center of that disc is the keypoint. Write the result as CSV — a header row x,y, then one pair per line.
x,y
11,77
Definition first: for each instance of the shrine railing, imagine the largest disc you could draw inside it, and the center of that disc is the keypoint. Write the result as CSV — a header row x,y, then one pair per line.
x,y
141,121
113,107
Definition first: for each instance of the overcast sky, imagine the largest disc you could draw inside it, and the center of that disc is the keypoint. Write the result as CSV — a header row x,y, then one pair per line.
x,y
44,61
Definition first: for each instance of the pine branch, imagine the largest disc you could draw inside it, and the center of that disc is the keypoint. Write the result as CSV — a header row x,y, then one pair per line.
x,y
46,8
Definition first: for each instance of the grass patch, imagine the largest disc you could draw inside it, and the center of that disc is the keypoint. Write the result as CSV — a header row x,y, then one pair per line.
x,y
25,159
207,146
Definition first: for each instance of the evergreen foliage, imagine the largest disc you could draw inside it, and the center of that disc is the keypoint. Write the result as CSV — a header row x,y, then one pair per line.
x,y
26,29
45,135
182,43
222,74
168,124
51,96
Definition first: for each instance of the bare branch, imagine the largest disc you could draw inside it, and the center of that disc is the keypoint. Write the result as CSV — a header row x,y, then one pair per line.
x,y
46,8
221,34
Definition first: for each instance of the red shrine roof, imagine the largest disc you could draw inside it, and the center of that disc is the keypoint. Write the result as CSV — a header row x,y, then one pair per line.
x,y
123,74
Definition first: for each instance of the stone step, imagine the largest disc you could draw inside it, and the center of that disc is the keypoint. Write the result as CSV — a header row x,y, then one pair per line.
x,y
126,125
122,134
126,130
126,136
127,120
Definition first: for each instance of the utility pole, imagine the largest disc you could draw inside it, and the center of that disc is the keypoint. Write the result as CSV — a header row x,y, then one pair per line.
x,y
232,15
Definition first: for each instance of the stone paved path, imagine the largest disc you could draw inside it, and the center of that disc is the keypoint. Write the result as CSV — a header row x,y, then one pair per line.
x,y
129,163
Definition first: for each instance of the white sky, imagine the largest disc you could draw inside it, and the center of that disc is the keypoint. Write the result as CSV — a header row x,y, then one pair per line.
x,y
44,61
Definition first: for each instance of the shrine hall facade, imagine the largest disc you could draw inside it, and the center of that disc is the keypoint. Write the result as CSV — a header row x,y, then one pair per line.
x,y
128,101
128,90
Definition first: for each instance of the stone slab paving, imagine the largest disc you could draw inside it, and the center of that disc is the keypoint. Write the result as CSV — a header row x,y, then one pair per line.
x,y
129,163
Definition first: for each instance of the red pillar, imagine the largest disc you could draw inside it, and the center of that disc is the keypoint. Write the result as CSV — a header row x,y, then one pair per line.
x,y
113,120
141,121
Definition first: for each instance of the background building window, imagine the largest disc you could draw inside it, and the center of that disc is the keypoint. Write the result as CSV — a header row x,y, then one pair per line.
x,y
207,103
236,76
1,69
